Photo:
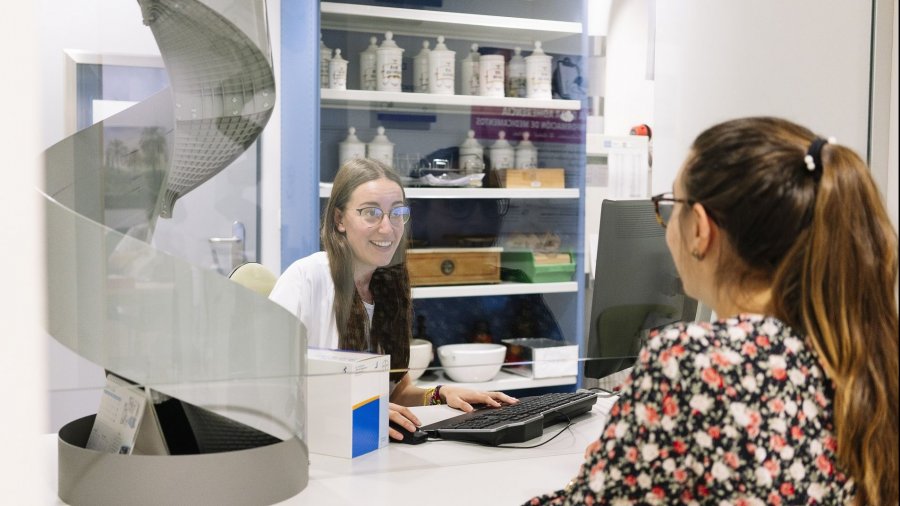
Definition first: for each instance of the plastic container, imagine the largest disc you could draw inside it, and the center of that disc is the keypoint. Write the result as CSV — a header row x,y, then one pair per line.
x,y
538,69
469,72
351,147
337,72
420,355
491,72
381,148
441,69
531,267
368,66
516,75
389,62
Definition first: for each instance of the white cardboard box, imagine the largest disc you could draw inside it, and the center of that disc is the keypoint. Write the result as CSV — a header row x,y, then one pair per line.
x,y
547,358
347,408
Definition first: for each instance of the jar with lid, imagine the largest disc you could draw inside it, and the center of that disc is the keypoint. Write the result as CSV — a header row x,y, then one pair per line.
x,y
351,147
516,75
501,154
526,153
469,72
381,148
337,72
538,68
441,69
471,158
389,61
420,69
324,58
368,65
491,82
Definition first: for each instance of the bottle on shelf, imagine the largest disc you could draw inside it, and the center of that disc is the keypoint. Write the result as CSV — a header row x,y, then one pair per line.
x,y
502,155
337,72
469,72
516,75
471,158
324,58
526,153
441,69
368,66
351,147
482,333
538,67
390,64
381,148
491,81
420,69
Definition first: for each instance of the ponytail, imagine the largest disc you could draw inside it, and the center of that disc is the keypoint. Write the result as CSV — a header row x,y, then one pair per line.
x,y
838,284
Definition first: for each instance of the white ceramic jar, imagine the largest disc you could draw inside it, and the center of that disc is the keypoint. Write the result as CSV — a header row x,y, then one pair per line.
x,y
502,155
526,153
324,58
538,68
337,72
441,69
368,66
471,155
469,72
516,75
389,61
381,148
420,69
491,81
351,147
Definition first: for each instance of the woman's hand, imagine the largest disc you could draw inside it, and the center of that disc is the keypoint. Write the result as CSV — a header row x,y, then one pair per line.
x,y
402,416
463,398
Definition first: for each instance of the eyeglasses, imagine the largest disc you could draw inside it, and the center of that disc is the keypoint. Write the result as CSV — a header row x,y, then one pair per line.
x,y
664,203
372,216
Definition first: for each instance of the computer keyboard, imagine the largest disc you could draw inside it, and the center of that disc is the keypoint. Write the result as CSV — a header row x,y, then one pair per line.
x,y
515,423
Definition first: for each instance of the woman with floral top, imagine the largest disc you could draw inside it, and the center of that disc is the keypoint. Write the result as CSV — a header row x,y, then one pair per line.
x,y
792,396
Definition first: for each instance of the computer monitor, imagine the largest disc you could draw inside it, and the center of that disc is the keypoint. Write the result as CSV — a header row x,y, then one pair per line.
x,y
636,287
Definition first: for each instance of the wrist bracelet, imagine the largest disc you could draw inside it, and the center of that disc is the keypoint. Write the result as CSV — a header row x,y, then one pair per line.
x,y
435,396
429,394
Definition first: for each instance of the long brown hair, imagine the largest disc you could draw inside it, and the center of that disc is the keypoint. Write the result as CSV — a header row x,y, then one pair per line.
x,y
391,328
823,241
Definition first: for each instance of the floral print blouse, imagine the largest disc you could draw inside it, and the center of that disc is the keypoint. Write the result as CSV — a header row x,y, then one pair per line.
x,y
735,412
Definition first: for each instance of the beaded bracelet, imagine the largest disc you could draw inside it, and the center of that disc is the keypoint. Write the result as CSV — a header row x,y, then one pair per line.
x,y
435,396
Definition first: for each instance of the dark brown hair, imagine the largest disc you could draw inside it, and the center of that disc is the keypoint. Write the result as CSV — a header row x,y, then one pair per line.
x,y
824,243
391,328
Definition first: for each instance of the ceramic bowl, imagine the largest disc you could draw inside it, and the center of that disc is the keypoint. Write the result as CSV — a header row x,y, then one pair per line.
x,y
473,362
420,355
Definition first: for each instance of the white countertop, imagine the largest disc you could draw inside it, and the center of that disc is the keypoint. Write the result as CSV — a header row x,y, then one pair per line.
x,y
437,472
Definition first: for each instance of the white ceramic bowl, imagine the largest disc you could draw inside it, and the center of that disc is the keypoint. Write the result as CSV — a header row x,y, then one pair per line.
x,y
420,355
471,363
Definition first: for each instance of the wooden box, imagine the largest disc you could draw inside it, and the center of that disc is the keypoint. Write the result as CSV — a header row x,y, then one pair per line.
x,y
453,266
532,178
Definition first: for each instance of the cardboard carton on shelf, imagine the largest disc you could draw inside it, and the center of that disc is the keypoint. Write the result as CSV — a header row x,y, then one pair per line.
x,y
531,178
544,357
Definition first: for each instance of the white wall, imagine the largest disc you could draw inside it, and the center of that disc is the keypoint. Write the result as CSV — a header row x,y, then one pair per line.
x,y
22,361
805,60
629,93
893,166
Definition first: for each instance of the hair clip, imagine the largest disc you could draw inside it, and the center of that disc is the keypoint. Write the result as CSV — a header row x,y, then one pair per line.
x,y
813,156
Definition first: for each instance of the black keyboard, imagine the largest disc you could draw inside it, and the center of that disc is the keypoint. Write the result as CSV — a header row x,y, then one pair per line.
x,y
516,423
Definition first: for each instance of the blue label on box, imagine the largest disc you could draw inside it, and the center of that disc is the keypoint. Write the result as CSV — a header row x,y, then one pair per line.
x,y
365,426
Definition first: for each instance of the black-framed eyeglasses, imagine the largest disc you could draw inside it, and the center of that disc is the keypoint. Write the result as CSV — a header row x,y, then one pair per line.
x,y
663,204
372,216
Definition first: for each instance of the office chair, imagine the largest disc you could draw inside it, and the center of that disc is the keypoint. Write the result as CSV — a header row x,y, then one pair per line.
x,y
254,276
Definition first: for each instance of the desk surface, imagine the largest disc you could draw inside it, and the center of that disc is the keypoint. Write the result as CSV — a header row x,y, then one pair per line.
x,y
438,472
